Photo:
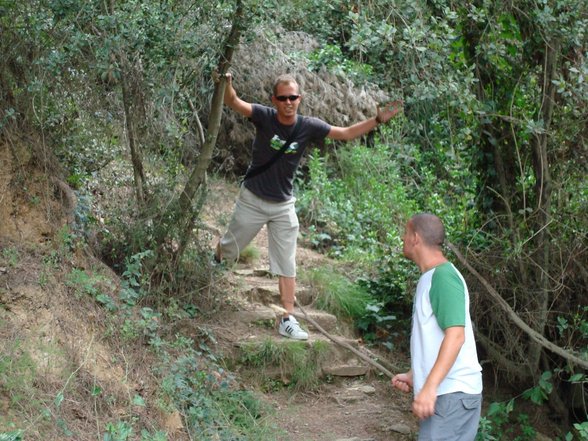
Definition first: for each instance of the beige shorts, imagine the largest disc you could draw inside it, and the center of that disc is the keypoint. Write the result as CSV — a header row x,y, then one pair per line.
x,y
250,215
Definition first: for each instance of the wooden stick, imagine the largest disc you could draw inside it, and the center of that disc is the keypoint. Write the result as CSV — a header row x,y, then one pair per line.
x,y
344,344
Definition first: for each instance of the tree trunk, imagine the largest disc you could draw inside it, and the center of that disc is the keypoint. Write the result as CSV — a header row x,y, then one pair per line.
x,y
186,215
543,191
136,159
199,173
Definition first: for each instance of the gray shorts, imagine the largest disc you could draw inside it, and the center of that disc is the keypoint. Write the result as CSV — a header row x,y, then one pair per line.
x,y
250,215
456,418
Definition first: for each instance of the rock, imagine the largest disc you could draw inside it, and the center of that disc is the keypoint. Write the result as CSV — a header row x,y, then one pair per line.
x,y
345,370
324,319
355,439
349,398
255,314
264,293
355,394
398,428
252,272
304,295
366,389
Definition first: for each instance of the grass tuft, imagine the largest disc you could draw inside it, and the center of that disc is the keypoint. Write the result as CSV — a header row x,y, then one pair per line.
x,y
249,255
299,363
336,294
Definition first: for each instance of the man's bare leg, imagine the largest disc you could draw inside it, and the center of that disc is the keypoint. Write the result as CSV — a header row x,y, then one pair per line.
x,y
289,326
287,293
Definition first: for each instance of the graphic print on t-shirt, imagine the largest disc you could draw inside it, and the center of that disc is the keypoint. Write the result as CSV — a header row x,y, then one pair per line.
x,y
277,143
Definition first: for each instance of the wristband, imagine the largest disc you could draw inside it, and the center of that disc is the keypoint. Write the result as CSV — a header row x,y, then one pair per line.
x,y
378,120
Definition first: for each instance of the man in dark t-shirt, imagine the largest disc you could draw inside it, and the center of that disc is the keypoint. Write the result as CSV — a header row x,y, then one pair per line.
x,y
266,198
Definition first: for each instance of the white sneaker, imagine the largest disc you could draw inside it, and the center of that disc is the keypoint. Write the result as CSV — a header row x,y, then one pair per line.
x,y
290,328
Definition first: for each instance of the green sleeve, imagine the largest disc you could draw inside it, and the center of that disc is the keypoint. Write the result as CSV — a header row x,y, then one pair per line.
x,y
447,295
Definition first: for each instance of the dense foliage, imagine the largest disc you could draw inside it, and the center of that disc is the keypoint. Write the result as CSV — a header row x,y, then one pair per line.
x,y
493,139
493,96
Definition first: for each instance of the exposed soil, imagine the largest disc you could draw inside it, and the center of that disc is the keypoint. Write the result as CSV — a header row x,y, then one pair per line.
x,y
358,409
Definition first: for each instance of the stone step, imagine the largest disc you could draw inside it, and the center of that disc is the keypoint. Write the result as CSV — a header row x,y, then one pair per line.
x,y
260,337
266,291
253,272
262,287
265,315
353,368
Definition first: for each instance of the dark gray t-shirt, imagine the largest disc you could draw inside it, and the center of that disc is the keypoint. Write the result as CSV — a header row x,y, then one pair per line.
x,y
275,183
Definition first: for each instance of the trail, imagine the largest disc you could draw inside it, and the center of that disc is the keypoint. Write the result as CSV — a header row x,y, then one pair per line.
x,y
354,400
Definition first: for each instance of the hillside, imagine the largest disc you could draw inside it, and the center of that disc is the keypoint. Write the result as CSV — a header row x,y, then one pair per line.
x,y
76,364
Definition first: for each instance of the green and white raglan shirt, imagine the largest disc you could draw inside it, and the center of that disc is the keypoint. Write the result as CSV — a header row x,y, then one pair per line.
x,y
442,301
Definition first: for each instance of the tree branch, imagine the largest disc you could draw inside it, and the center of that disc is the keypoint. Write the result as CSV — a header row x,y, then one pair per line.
x,y
344,344
534,335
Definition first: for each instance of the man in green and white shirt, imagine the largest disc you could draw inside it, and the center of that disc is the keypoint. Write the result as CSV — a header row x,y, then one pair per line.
x,y
445,373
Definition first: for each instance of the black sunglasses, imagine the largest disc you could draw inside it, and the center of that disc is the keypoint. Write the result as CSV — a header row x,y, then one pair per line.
x,y
287,97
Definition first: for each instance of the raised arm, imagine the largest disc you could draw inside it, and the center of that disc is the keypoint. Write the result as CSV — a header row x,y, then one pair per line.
x,y
383,115
233,101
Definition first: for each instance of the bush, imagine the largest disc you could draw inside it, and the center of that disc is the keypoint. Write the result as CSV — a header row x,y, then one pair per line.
x,y
357,202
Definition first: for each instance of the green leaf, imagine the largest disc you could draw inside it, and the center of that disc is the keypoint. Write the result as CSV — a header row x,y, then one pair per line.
x,y
11,436
138,401
577,378
510,406
58,399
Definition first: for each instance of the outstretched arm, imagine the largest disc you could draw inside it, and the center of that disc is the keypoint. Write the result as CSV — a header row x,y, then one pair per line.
x,y
383,115
233,101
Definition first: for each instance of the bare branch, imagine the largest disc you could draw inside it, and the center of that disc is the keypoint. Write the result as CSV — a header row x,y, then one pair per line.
x,y
534,335
336,340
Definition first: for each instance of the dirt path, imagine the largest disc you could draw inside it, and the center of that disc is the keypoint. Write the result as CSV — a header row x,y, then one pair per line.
x,y
351,409
343,408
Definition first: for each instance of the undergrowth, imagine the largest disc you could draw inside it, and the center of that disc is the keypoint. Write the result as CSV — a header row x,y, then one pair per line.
x,y
355,203
336,293
298,363
213,408
187,375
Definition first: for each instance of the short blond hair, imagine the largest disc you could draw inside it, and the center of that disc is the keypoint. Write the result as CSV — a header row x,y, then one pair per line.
x,y
284,79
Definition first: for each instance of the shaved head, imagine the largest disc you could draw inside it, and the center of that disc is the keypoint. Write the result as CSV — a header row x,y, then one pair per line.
x,y
430,228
